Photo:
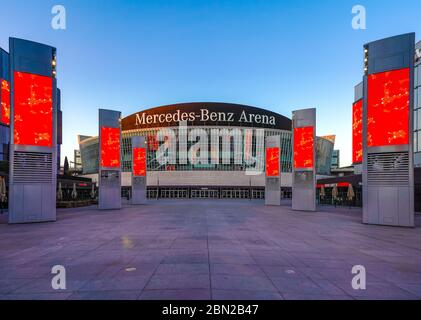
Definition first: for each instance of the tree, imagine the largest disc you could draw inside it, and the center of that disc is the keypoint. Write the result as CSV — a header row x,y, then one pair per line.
x,y
66,167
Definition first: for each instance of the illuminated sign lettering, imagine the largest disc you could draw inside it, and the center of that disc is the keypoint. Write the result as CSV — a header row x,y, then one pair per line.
x,y
33,110
204,115
388,108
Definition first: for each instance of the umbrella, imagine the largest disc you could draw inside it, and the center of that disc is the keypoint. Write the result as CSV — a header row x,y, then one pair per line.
x,y
59,192
350,194
74,192
93,191
322,192
335,192
3,194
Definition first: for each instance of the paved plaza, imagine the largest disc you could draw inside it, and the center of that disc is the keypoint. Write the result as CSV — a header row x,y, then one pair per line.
x,y
209,249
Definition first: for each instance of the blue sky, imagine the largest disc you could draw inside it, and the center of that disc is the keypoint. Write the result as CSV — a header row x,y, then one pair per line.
x,y
279,55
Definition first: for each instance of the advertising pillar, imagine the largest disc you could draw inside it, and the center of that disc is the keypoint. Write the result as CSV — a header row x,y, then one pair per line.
x,y
5,88
357,129
304,153
139,170
110,160
33,145
388,174
273,171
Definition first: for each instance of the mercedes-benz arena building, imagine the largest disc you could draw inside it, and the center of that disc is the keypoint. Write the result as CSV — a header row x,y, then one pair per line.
x,y
201,150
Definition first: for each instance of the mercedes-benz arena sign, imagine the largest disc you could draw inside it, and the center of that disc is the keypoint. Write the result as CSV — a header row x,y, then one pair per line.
x,y
206,114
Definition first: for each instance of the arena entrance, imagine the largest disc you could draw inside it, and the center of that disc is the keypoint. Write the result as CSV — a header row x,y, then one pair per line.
x,y
205,193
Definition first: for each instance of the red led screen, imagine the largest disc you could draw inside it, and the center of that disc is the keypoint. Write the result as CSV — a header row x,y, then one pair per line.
x,y
110,147
272,162
5,102
303,147
357,132
388,108
139,162
33,111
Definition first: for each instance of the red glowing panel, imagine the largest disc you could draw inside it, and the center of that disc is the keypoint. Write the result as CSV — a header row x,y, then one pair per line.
x,y
110,147
357,132
272,162
343,185
388,108
33,111
5,102
304,148
139,162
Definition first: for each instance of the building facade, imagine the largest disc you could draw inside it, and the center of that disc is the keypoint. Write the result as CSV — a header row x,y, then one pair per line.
x,y
324,153
202,150
336,163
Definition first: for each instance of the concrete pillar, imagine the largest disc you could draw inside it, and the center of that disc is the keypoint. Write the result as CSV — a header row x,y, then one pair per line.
x,y
304,160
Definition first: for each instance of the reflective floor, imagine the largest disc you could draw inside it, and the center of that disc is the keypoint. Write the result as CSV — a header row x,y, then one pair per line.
x,y
209,249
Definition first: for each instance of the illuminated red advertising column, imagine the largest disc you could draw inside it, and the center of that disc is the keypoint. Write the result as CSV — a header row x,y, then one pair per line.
x,y
273,171
388,182
4,88
109,160
304,159
33,158
357,129
139,170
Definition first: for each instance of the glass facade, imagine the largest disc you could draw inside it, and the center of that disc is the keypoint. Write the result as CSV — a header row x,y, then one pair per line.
x,y
335,159
324,153
154,165
89,154
4,142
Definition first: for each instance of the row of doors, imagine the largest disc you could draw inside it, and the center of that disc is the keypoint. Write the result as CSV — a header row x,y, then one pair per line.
x,y
184,193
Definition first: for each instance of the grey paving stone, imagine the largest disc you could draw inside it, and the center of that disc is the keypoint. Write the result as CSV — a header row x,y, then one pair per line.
x,y
377,290
317,297
297,285
245,295
8,285
44,285
105,295
117,283
231,259
183,268
186,294
178,281
236,269
221,249
236,282
37,296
